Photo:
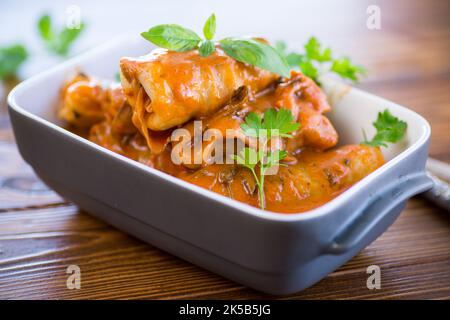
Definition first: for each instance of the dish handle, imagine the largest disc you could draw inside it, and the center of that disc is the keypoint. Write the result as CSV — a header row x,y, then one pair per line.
x,y
377,207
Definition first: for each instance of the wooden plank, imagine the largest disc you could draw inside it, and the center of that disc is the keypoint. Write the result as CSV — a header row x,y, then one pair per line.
x,y
37,246
19,186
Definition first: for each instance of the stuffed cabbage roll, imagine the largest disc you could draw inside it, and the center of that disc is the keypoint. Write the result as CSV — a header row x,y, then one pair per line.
x,y
299,94
167,89
308,180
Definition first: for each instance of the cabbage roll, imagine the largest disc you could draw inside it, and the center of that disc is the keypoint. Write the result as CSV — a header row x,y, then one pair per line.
x,y
309,179
167,89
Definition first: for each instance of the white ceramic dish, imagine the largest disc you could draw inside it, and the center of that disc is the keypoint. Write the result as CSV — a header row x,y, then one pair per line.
x,y
272,252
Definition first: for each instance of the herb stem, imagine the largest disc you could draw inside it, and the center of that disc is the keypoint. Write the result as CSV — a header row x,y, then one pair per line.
x,y
260,189
262,171
274,124
262,197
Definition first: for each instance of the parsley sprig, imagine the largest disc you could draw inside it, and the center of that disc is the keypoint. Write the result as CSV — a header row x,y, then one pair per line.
x,y
10,60
390,129
57,42
317,60
177,38
274,124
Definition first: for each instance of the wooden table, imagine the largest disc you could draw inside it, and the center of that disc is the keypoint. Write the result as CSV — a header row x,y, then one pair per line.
x,y
42,234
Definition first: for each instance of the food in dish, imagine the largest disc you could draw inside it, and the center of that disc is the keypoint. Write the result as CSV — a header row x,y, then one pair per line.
x,y
297,167
313,174
169,88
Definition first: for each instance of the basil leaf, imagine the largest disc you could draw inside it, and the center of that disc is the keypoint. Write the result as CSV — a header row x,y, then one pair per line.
x,y
309,70
206,48
314,51
210,27
10,59
172,37
257,54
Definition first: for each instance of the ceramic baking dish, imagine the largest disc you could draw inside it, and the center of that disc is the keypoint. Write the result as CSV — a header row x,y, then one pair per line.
x,y
272,252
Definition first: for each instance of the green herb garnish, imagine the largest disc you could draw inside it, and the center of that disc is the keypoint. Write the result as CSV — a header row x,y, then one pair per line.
x,y
177,38
345,69
57,42
293,59
209,29
317,60
390,129
172,37
315,52
256,53
10,60
274,124
206,48
309,69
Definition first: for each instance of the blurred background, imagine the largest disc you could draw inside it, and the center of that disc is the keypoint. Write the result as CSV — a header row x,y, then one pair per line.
x,y
406,41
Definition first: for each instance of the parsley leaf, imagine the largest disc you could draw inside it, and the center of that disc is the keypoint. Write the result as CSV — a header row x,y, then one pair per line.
x,y
389,129
247,157
58,42
274,124
317,60
252,125
309,69
66,37
279,123
313,50
344,68
10,60
274,158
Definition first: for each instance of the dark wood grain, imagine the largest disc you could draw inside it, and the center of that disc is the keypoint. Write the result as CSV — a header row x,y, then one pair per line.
x,y
41,234
38,245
